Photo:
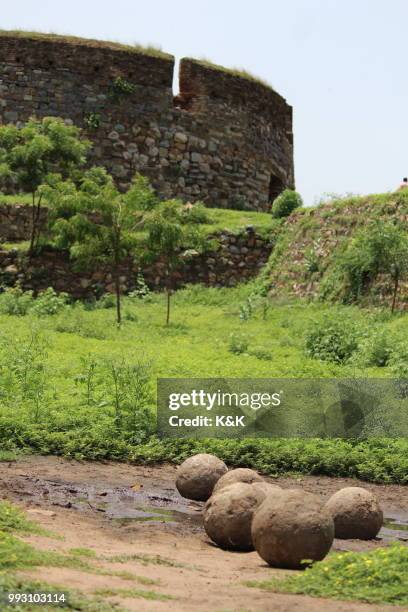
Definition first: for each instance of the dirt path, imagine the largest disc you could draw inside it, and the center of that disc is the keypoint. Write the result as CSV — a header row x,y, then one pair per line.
x,y
117,510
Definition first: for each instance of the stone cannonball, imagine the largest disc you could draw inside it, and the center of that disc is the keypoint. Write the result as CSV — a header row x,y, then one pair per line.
x,y
197,476
292,527
228,516
356,513
267,488
238,475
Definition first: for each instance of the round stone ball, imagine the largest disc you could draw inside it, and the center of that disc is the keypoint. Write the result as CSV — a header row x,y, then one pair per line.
x,y
356,513
267,488
197,476
239,475
292,527
228,516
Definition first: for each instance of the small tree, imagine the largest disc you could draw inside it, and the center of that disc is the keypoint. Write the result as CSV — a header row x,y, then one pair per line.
x,y
34,155
172,237
380,248
97,223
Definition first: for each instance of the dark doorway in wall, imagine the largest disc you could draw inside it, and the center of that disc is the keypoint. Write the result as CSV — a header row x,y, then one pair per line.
x,y
276,186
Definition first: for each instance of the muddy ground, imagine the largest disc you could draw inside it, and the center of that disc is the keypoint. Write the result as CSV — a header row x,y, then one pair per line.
x,y
116,509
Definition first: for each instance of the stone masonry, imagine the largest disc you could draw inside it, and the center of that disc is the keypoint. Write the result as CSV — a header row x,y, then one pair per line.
x,y
225,139
235,258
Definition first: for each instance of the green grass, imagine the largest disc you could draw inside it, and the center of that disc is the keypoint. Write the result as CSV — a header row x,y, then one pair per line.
x,y
83,552
89,42
12,519
145,559
17,555
134,593
238,72
219,218
236,221
19,198
323,232
6,455
64,422
22,246
11,583
377,577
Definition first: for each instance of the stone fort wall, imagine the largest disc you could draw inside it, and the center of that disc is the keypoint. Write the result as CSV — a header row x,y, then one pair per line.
x,y
225,139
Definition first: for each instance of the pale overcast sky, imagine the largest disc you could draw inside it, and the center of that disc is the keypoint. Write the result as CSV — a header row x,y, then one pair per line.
x,y
342,65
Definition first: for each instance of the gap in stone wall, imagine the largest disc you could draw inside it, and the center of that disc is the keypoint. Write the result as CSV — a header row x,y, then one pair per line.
x,y
176,80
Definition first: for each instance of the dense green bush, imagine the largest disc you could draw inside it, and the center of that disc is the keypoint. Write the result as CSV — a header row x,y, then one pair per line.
x,y
49,302
376,348
15,301
334,339
141,290
379,248
196,213
286,203
238,343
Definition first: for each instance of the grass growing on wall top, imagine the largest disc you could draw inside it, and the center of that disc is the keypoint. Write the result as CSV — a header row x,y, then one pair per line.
x,y
89,42
218,218
236,221
238,72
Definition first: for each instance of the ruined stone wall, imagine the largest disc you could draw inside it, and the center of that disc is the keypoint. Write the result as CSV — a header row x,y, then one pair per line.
x,y
225,139
16,222
235,258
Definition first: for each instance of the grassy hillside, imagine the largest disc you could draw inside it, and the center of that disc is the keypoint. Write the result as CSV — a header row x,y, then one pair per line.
x,y
313,238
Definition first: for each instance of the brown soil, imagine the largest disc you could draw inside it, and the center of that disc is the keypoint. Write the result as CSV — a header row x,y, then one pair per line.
x,y
118,509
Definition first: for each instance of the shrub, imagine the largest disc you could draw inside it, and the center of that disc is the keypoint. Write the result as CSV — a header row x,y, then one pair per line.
x,y
141,290
15,301
24,374
238,343
380,248
285,203
261,353
334,339
196,214
74,321
246,310
107,300
376,349
49,302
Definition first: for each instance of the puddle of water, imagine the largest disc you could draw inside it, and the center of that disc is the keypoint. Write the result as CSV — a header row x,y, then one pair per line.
x,y
395,528
142,515
124,505
391,524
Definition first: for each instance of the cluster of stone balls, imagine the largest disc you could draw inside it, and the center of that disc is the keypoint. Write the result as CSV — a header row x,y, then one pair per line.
x,y
286,527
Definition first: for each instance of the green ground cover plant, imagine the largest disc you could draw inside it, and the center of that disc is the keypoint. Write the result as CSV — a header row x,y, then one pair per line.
x,y
377,577
17,555
75,385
